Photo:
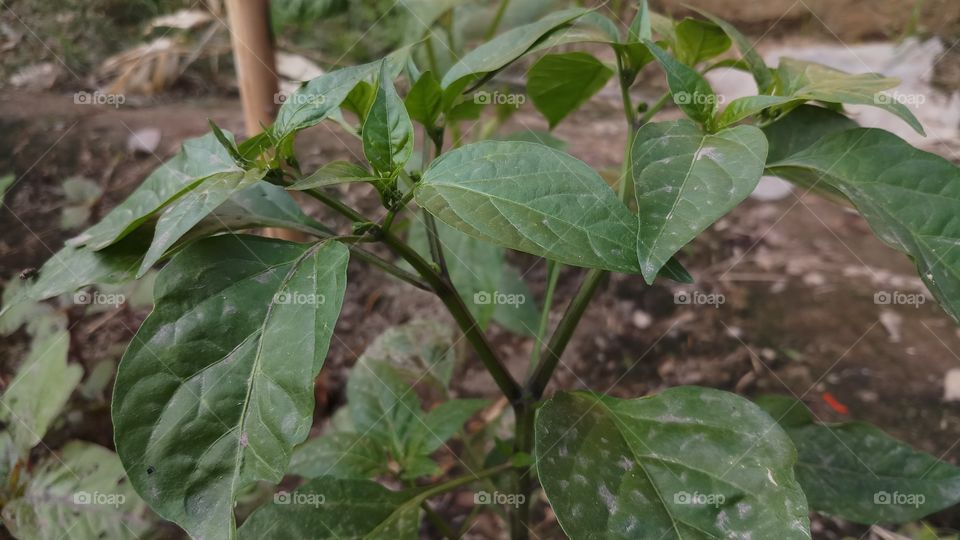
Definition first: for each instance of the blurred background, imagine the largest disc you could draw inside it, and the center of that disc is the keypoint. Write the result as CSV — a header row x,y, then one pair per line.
x,y
95,94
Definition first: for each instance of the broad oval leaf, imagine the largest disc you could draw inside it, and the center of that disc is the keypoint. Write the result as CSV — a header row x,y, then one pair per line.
x,y
857,472
217,385
532,198
685,180
691,92
803,127
685,463
910,198
387,130
198,159
560,83
328,508
698,41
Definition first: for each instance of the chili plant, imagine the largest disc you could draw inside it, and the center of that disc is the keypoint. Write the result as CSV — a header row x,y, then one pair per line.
x,y
216,392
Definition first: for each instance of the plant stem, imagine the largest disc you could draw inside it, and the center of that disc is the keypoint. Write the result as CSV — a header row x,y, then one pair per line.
x,y
453,484
495,24
391,269
553,273
433,237
522,479
438,522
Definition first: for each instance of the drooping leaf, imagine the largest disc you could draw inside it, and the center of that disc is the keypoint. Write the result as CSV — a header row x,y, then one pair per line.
x,y
801,128
504,49
387,131
424,99
909,197
761,73
558,84
81,493
857,472
531,198
328,508
190,209
686,463
685,180
205,410
331,174
691,92
198,159
37,394
698,41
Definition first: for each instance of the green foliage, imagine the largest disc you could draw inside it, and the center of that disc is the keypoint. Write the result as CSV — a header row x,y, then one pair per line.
x,y
214,397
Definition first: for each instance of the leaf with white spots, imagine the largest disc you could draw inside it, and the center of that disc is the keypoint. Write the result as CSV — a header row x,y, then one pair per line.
x,y
216,388
687,463
686,179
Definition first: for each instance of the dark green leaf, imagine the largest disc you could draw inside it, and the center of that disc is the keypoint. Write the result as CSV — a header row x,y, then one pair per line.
x,y
685,180
691,92
387,131
531,198
856,472
199,410
424,99
559,84
685,463
801,128
698,41
909,197
359,100
761,73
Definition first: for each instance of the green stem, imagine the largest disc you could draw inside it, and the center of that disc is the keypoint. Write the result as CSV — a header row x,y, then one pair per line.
x,y
553,273
433,236
438,522
450,485
654,109
391,269
522,478
495,24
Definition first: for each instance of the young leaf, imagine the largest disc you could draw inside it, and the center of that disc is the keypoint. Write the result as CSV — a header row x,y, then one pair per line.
x,y
387,131
331,174
187,211
857,472
81,493
691,92
640,28
201,412
685,180
359,100
761,73
558,84
198,159
531,198
40,390
698,41
424,99
685,463
327,508
504,49
909,197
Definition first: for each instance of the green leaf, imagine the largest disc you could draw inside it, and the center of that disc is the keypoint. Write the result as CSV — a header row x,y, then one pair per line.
x,y
505,49
857,472
420,351
331,174
675,271
359,100
535,136
81,493
328,508
685,180
189,210
531,198
340,455
747,106
523,316
761,73
909,197
815,82
804,126
198,159
387,131
559,84
685,463
6,181
260,205
640,28
691,92
698,41
39,391
226,140
204,410
424,99
440,424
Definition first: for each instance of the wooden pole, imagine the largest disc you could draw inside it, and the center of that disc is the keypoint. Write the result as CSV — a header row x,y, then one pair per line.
x,y
255,61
